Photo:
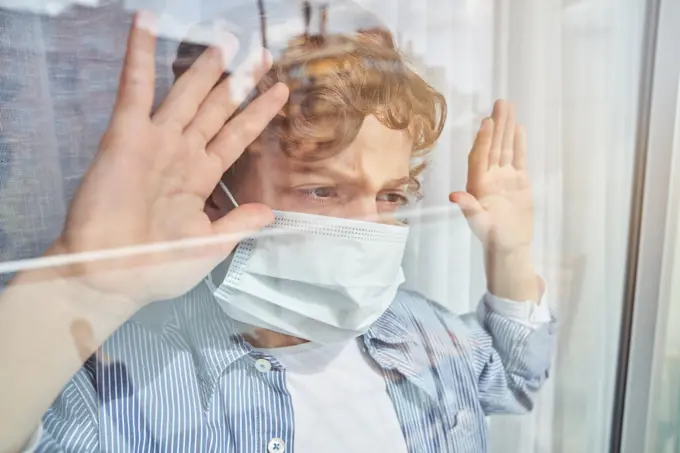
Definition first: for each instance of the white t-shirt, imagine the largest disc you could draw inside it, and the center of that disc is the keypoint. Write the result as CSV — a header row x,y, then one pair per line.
x,y
340,400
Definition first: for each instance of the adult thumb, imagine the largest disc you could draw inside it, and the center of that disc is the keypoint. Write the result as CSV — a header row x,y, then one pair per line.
x,y
242,222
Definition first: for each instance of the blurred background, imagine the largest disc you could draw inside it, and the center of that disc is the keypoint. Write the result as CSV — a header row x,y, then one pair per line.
x,y
595,82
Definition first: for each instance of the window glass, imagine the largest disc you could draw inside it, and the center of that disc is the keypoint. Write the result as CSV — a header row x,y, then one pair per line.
x,y
423,251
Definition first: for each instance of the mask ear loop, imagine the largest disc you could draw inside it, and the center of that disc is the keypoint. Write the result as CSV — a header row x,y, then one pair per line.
x,y
226,191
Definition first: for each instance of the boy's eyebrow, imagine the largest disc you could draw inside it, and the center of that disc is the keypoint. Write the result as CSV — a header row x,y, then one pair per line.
x,y
399,181
320,170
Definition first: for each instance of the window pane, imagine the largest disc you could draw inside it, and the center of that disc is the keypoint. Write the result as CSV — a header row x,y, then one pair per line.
x,y
187,371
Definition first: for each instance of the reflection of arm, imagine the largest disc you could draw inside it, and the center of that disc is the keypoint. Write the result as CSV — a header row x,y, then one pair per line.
x,y
39,315
511,355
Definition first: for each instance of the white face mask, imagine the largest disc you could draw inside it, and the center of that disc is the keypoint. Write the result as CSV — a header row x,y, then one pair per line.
x,y
320,278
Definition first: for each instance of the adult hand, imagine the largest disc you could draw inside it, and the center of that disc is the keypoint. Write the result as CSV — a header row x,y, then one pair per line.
x,y
153,172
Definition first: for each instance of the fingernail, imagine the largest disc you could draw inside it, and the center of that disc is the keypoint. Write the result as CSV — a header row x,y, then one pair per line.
x,y
146,20
265,62
258,63
240,86
282,90
243,80
267,58
228,45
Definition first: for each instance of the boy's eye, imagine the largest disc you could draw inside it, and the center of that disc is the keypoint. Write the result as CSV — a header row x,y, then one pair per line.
x,y
319,193
394,198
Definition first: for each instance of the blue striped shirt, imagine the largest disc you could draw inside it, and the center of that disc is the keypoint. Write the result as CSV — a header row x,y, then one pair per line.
x,y
178,378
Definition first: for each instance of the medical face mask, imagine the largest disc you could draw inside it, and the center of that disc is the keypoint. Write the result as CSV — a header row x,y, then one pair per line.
x,y
324,279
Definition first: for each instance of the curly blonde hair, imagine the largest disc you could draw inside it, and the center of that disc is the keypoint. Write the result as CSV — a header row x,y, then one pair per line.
x,y
337,81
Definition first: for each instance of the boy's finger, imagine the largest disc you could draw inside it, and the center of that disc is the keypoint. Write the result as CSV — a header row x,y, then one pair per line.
x,y
499,116
478,159
520,158
507,147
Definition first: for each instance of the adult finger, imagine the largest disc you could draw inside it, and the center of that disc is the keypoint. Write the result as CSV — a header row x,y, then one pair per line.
x,y
500,113
225,98
242,222
520,158
137,78
240,132
508,138
478,159
191,89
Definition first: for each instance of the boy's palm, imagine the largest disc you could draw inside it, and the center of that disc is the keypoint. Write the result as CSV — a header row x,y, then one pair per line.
x,y
498,203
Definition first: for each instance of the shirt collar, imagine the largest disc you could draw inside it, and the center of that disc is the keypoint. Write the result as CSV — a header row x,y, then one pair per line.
x,y
391,328
215,343
394,342
211,336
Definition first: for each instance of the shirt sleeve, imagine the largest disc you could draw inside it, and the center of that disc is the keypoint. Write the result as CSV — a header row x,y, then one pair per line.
x,y
528,313
511,357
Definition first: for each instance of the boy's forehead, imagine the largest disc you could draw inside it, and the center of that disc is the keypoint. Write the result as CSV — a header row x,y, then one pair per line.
x,y
373,134
376,148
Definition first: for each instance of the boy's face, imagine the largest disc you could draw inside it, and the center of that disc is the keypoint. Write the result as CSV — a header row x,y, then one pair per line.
x,y
368,180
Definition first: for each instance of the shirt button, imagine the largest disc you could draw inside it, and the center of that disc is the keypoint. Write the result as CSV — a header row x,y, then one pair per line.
x,y
263,366
276,445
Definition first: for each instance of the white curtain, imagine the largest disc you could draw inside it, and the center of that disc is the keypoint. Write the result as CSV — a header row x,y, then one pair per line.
x,y
571,67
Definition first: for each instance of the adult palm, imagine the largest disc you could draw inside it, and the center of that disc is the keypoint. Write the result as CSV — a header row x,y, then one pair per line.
x,y
143,198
